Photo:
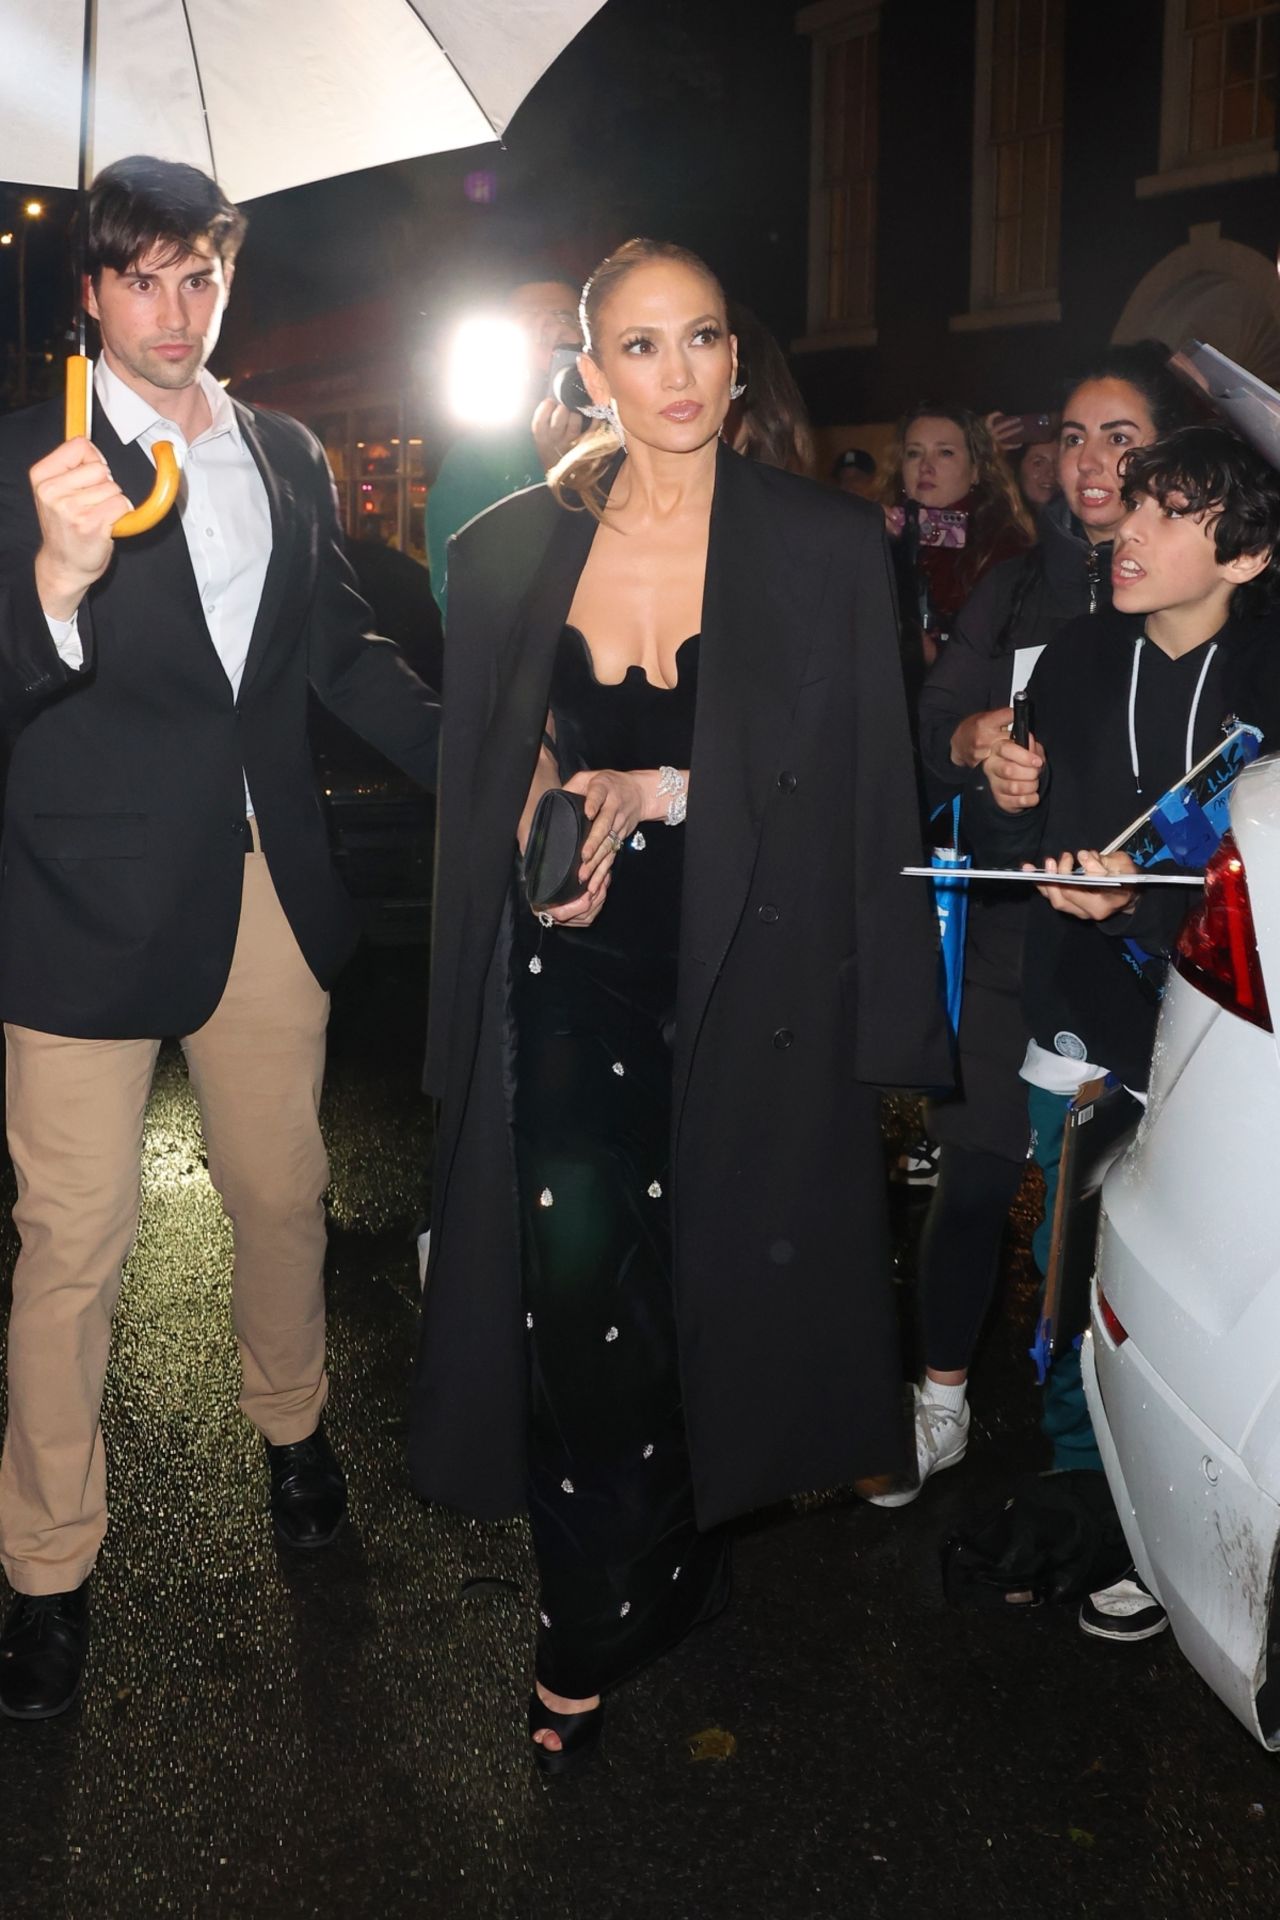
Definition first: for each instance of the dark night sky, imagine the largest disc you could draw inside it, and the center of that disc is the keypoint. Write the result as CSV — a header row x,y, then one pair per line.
x,y
686,122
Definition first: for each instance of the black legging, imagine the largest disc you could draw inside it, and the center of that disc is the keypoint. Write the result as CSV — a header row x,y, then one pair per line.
x,y
960,1251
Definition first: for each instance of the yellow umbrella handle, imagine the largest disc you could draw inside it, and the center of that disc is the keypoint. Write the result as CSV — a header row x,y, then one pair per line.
x,y
168,473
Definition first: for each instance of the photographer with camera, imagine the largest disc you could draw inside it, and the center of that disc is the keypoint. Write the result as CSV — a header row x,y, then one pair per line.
x,y
486,464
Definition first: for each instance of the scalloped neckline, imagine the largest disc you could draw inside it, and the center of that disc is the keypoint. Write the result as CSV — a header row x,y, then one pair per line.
x,y
634,670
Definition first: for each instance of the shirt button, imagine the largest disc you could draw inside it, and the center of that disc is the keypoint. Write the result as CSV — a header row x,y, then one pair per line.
x,y
767,914
782,1039
787,781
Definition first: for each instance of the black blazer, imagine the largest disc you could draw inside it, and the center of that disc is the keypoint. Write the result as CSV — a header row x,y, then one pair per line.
x,y
122,857
807,979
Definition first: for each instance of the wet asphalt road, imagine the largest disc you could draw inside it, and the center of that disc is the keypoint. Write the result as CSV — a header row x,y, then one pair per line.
x,y
342,1736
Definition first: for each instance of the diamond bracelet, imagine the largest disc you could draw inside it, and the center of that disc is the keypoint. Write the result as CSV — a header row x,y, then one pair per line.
x,y
673,787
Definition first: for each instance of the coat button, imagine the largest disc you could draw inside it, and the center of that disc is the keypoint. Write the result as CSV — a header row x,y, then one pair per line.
x,y
768,914
782,1038
787,781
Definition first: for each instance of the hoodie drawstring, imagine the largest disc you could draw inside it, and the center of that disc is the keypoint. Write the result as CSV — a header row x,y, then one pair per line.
x,y
1139,640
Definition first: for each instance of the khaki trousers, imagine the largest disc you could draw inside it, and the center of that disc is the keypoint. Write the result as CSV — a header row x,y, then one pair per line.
x,y
75,1112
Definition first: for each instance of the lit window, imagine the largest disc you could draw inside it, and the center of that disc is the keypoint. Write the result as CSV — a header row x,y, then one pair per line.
x,y
1217,107
1230,61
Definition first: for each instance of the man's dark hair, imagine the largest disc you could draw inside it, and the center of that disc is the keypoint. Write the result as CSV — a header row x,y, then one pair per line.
x,y
1210,470
142,203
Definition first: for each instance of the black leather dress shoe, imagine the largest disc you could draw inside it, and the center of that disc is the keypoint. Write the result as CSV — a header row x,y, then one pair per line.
x,y
308,1491
42,1651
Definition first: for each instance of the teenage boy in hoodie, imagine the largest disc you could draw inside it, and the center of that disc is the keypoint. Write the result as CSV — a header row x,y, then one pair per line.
x,y
1124,704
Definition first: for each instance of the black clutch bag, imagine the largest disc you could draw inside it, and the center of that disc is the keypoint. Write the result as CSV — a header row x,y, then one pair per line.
x,y
553,851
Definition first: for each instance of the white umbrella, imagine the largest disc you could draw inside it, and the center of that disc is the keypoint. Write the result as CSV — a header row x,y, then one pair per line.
x,y
263,94
266,94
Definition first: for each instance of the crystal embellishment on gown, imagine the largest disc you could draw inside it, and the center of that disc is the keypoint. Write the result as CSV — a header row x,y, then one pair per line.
x,y
648,1452
545,1619
535,965
566,1486
546,1198
675,1576
611,1335
618,1068
638,842
624,1610
528,1320
654,1190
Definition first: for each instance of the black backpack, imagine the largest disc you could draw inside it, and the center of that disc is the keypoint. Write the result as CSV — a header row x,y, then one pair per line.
x,y
1056,1536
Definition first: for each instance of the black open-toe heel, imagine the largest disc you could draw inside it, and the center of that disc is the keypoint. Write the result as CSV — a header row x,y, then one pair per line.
x,y
579,1734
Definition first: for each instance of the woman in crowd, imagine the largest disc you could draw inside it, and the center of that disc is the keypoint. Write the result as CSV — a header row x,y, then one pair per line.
x,y
659,1284
1127,399
1037,468
954,513
769,420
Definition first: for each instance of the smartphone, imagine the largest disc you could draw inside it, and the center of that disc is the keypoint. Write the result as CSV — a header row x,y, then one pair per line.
x,y
564,382
1020,732
943,527
1036,427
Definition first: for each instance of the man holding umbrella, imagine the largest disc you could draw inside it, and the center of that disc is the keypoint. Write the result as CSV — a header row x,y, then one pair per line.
x,y
165,871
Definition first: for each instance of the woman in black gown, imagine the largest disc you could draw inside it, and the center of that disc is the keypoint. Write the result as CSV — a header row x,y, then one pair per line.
x,y
659,1291
623,1568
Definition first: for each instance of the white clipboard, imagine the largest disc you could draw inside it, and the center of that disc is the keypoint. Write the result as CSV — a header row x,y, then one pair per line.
x,y
948,876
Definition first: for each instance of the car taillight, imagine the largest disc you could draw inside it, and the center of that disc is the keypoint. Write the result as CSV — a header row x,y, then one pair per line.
x,y
1216,949
1111,1321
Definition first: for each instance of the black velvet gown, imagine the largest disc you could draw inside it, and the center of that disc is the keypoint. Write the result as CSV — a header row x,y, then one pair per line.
x,y
624,1572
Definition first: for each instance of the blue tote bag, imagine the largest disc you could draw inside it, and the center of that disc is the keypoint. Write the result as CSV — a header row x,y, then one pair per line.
x,y
951,904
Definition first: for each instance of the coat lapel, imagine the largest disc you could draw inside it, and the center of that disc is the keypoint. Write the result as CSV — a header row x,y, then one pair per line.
x,y
751,665
284,524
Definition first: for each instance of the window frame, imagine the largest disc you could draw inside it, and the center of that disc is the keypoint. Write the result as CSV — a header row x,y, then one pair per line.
x,y
830,24
987,308
1178,170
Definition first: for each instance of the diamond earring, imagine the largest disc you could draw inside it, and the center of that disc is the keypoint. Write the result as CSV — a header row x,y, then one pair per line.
x,y
609,414
737,390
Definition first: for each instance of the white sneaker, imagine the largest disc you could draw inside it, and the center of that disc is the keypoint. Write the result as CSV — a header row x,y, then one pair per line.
x,y
1126,1611
941,1439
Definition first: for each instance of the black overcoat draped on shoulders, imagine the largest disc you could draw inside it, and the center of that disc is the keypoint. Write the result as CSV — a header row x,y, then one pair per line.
x,y
807,981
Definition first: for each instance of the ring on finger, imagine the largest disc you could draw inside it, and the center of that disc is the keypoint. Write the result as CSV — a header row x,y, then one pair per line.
x,y
615,841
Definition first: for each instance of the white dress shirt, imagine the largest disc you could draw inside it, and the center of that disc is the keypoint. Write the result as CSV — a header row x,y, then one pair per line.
x,y
222,504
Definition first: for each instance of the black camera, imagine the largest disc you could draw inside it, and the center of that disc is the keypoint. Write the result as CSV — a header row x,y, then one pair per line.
x,y
564,382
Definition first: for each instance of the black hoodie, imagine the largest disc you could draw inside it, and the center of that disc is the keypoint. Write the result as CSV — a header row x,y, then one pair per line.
x,y
1022,602
1081,996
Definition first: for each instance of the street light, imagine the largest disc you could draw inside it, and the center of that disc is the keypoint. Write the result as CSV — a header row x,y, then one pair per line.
x,y
32,210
